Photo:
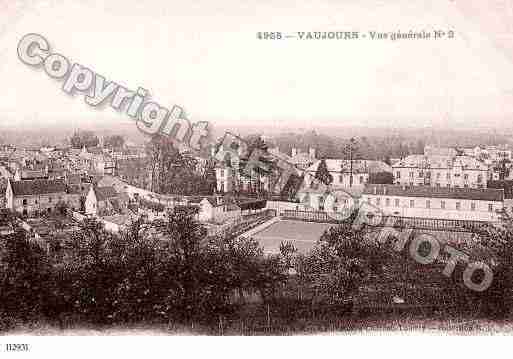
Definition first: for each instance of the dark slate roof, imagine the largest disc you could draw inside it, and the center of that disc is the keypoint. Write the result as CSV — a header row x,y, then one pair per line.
x,y
103,193
478,194
36,187
81,189
252,204
95,150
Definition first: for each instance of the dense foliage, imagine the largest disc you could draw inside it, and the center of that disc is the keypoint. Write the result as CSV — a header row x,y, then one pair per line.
x,y
169,271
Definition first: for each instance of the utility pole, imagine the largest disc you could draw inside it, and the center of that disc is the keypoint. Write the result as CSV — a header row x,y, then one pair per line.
x,y
350,148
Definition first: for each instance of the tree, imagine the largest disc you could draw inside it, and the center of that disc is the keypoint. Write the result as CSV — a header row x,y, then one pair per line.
x,y
257,149
186,262
24,278
496,248
114,141
141,293
209,181
94,271
173,172
160,151
322,174
504,168
343,261
242,258
84,138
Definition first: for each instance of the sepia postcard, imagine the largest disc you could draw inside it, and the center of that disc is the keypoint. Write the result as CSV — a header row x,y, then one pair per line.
x,y
299,176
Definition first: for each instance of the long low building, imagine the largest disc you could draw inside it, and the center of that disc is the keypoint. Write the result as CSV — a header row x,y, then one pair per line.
x,y
475,204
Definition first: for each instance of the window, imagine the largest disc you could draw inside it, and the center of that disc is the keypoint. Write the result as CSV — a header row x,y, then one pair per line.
x,y
368,200
438,184
458,206
438,175
378,201
361,179
398,174
412,203
465,176
421,174
341,178
396,202
490,207
411,174
472,206
387,202
50,199
428,204
479,178
448,176
24,202
442,204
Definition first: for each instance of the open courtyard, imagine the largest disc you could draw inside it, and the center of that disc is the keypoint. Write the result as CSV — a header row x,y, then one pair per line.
x,y
303,235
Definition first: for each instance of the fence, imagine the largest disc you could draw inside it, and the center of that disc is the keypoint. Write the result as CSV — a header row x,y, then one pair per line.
x,y
243,224
436,224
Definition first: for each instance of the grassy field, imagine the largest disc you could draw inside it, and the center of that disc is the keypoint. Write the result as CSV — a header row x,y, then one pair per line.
x,y
302,234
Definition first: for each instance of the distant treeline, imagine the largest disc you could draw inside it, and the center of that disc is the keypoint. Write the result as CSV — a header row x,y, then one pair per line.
x,y
380,146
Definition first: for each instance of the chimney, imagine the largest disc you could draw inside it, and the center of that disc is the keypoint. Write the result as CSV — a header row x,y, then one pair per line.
x,y
294,151
311,151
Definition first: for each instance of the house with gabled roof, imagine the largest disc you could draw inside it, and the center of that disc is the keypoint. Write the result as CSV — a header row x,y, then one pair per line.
x,y
29,197
218,210
105,200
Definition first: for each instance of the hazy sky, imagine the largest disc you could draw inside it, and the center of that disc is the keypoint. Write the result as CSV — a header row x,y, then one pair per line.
x,y
204,56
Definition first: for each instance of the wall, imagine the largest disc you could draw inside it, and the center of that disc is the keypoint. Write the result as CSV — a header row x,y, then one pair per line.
x,y
44,202
412,175
280,206
481,212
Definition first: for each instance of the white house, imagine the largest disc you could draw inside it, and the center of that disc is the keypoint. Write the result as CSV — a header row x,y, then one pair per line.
x,y
215,210
440,171
343,170
328,199
436,202
105,201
